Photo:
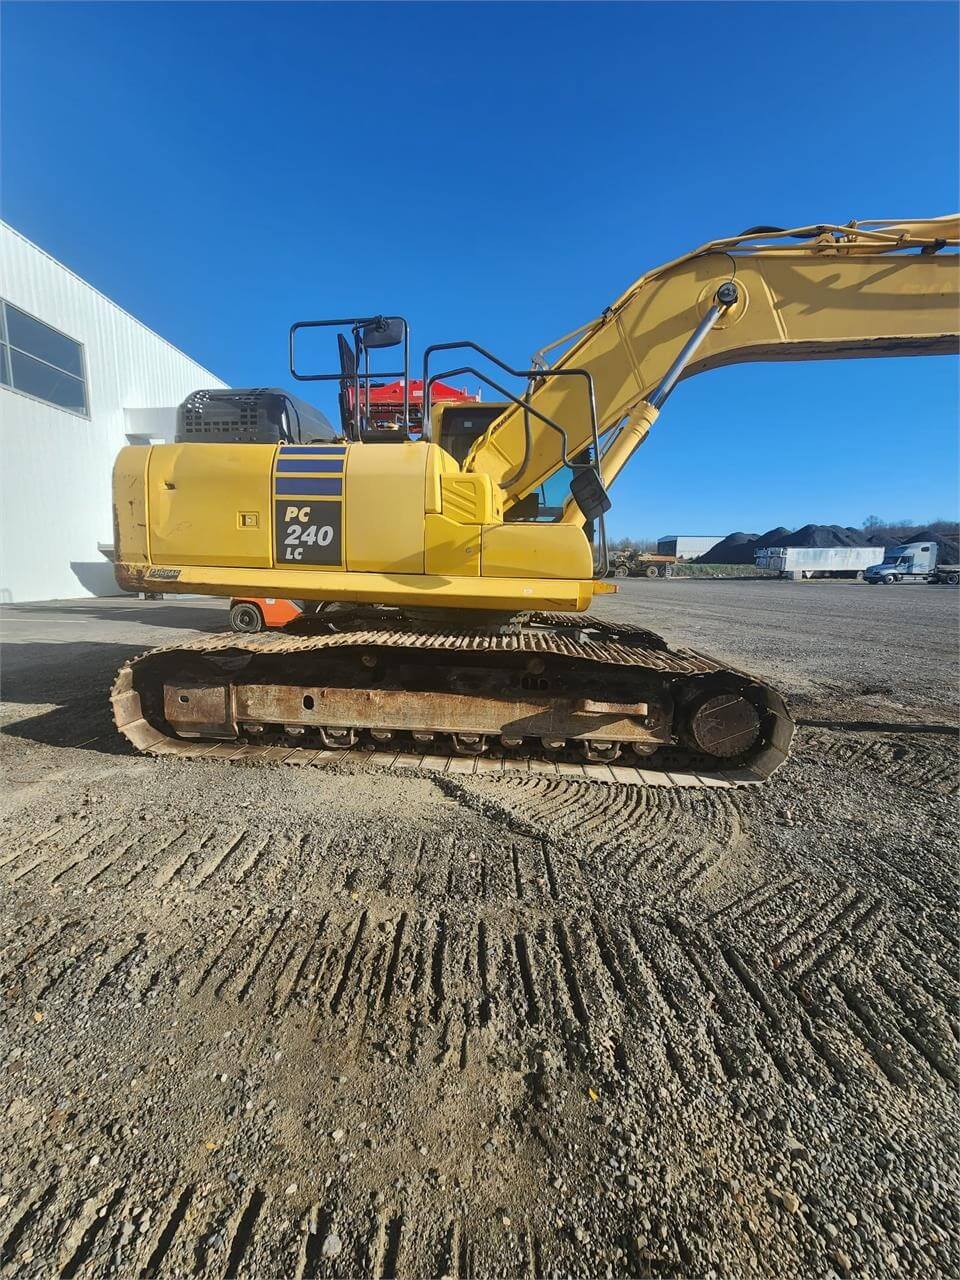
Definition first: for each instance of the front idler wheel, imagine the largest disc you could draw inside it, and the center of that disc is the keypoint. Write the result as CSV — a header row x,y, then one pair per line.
x,y
724,724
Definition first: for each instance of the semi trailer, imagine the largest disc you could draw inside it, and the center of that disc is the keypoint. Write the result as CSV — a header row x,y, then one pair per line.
x,y
817,562
948,574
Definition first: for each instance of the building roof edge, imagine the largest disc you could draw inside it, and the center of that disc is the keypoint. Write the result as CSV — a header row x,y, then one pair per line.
x,y
116,306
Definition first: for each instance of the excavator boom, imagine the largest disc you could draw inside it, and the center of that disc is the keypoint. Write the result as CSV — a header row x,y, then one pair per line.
x,y
813,293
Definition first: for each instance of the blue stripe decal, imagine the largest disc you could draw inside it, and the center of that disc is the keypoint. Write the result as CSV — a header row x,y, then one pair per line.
x,y
297,487
310,464
292,451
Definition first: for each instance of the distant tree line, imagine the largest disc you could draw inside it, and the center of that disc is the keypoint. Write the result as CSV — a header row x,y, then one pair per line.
x,y
886,531
646,545
890,531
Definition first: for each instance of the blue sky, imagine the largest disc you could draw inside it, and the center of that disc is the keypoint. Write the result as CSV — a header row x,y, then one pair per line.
x,y
501,172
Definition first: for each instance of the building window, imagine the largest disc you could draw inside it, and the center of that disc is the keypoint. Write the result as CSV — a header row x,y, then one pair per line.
x,y
40,361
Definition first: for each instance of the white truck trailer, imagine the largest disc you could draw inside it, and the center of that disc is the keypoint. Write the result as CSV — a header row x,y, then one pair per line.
x,y
818,562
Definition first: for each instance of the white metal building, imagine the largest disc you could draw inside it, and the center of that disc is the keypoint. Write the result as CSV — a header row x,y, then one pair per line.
x,y
687,546
79,378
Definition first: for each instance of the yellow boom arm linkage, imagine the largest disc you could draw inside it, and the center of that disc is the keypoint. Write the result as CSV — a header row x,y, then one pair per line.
x,y
813,293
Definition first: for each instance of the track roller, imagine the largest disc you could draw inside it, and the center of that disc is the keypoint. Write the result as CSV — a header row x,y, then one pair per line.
x,y
598,752
551,687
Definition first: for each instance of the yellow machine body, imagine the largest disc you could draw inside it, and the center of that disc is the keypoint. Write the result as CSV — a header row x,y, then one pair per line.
x,y
384,524
462,522
407,524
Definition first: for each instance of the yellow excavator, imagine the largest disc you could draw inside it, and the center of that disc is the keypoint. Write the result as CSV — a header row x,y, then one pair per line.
x,y
444,583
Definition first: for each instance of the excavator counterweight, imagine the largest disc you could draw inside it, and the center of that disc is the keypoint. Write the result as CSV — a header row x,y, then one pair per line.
x,y
444,596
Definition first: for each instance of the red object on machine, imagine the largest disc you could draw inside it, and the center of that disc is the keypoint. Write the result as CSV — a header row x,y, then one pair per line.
x,y
386,400
392,392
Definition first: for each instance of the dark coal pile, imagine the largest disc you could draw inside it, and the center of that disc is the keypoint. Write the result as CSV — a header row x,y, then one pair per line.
x,y
738,548
949,547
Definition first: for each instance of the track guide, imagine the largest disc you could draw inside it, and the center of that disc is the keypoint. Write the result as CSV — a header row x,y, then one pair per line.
x,y
584,653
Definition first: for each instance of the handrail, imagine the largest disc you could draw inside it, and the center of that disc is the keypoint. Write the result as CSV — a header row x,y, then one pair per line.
x,y
531,375
356,323
601,563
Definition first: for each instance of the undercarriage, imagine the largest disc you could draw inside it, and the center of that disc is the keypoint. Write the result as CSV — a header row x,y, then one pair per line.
x,y
550,691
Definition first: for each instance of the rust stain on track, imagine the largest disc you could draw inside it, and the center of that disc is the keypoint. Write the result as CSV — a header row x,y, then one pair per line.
x,y
580,646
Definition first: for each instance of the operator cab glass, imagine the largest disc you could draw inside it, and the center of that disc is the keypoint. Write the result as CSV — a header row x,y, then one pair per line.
x,y
554,492
461,426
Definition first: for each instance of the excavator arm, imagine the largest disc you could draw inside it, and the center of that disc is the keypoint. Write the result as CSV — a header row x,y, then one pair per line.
x,y
812,293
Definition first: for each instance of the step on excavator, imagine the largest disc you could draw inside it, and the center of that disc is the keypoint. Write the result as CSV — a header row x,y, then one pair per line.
x,y
446,580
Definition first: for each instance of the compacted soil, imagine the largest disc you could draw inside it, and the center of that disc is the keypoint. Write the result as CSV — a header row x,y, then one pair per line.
x,y
336,1021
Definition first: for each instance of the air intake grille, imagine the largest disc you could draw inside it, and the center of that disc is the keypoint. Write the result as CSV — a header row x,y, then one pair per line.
x,y
234,416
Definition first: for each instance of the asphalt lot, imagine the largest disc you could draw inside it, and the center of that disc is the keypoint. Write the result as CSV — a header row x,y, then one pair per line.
x,y
841,650
328,1022
834,647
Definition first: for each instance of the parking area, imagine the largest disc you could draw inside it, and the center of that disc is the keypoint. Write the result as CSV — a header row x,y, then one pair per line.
x,y
834,647
335,1021
842,650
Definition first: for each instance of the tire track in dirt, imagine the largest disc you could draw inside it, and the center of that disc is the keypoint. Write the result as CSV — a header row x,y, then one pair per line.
x,y
577,960
905,761
226,1232
525,958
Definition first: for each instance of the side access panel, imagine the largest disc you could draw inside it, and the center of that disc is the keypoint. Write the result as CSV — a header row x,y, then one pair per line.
x,y
384,508
210,504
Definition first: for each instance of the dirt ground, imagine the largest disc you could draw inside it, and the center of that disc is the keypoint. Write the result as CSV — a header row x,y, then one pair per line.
x,y
296,1022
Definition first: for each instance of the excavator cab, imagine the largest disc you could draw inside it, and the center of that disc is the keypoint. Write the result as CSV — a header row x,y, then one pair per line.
x,y
457,427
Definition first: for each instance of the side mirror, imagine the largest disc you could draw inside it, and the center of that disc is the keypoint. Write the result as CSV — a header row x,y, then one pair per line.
x,y
382,332
588,493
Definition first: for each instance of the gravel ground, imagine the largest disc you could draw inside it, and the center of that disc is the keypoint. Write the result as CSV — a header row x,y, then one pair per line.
x,y
328,1022
843,649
